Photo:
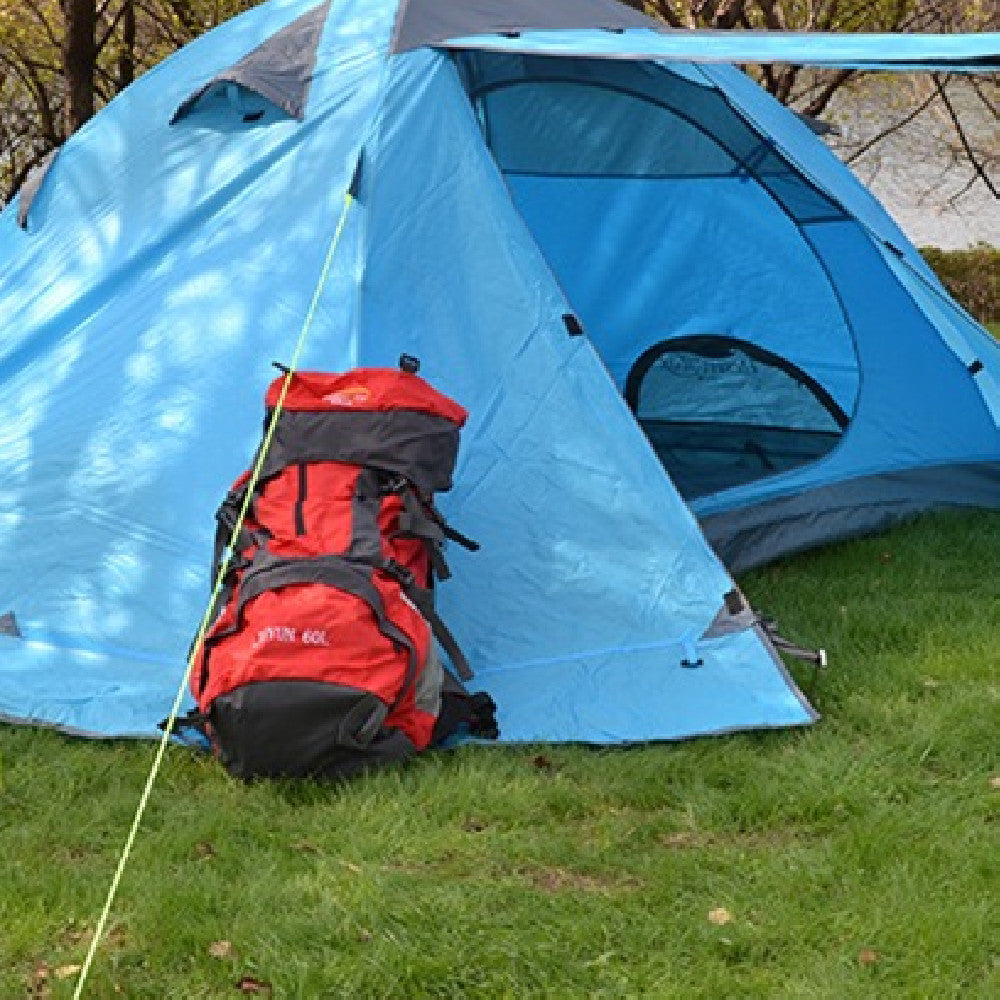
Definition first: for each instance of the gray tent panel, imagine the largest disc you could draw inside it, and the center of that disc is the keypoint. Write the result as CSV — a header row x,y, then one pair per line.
x,y
280,69
754,536
431,22
32,186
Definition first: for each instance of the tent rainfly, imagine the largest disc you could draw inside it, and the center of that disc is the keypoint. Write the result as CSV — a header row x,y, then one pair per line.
x,y
689,340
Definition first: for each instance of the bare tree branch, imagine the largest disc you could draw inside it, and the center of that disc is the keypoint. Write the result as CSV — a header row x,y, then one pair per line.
x,y
818,104
891,129
992,108
963,137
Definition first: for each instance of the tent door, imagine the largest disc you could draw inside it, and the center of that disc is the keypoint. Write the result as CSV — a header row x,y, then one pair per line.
x,y
720,412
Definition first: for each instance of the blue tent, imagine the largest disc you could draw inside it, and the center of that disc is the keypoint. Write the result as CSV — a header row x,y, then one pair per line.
x,y
656,292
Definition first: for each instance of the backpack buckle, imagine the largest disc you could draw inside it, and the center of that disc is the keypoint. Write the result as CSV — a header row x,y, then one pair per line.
x,y
398,572
392,485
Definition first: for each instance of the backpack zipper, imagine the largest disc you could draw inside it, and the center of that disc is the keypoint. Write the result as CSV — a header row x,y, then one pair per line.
x,y
300,520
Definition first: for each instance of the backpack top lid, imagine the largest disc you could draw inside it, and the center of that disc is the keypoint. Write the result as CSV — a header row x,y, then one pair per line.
x,y
366,390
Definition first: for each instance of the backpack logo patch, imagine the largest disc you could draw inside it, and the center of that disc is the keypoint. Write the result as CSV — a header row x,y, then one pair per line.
x,y
285,634
352,395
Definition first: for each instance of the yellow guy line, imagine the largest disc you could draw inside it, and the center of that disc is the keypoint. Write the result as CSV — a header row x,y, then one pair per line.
x,y
147,791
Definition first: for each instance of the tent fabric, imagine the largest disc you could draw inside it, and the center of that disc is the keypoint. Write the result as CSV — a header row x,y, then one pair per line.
x,y
607,29
569,114
925,52
578,540
829,283
431,22
279,70
166,266
503,198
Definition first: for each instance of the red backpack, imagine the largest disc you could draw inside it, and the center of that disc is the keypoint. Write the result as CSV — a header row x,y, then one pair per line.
x,y
320,659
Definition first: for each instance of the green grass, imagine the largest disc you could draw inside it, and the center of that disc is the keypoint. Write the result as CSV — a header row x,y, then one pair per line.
x,y
857,858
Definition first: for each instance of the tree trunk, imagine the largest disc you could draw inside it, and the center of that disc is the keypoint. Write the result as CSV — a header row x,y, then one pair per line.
x,y
79,61
126,59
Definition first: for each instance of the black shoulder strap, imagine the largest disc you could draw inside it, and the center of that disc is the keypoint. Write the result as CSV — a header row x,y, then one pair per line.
x,y
423,599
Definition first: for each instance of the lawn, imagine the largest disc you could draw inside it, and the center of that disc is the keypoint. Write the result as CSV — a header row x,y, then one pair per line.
x,y
857,858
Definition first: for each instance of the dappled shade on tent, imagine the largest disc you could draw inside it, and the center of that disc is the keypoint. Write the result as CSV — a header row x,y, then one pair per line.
x,y
530,226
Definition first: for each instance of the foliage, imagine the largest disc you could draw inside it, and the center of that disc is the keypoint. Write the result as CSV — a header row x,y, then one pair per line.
x,y
853,859
60,60
972,276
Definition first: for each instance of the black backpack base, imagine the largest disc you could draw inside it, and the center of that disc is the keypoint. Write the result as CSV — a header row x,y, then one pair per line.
x,y
303,729
324,732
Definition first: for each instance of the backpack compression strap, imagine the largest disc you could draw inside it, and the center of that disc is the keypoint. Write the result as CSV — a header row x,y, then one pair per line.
x,y
418,520
268,572
423,600
421,520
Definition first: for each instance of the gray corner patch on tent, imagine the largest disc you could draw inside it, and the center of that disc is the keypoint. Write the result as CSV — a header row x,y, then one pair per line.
x,y
31,187
9,626
279,69
731,619
432,22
